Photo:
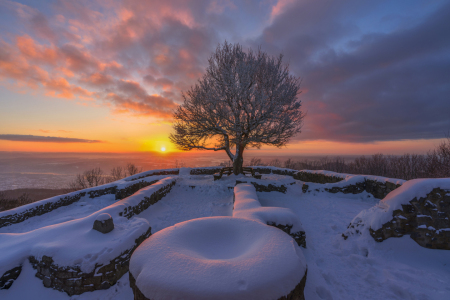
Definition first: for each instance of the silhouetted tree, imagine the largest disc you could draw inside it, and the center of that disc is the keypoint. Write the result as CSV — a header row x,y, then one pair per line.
x,y
245,99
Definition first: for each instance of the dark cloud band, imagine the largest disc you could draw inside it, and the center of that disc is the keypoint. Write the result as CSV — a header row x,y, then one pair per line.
x,y
45,139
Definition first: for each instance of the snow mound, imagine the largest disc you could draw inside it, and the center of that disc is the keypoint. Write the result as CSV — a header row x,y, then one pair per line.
x,y
382,213
217,258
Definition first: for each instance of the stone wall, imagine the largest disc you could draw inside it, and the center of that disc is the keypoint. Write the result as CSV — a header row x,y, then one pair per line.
x,y
205,171
39,210
130,190
260,170
278,171
426,220
298,236
8,278
70,278
378,189
316,177
267,188
130,211
68,200
73,281
162,172
296,294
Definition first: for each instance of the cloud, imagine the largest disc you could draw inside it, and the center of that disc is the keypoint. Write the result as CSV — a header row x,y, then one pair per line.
x,y
49,131
45,139
132,56
360,85
372,71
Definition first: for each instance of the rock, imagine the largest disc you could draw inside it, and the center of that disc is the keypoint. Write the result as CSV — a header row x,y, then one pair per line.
x,y
316,177
105,285
8,278
104,223
425,219
47,281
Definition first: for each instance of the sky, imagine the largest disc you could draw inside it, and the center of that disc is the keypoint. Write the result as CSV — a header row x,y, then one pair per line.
x,y
106,75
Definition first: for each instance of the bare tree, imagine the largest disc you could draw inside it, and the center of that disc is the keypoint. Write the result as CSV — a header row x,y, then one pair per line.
x,y
275,163
256,162
117,173
131,169
89,178
245,99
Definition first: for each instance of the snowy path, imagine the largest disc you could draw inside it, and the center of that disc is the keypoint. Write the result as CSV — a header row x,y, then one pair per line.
x,y
185,203
360,268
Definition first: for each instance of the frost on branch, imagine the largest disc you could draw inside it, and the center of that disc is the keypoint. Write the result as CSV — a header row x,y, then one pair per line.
x,y
245,99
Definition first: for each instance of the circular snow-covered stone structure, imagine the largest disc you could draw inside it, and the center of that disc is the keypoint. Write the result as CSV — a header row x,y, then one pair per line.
x,y
218,258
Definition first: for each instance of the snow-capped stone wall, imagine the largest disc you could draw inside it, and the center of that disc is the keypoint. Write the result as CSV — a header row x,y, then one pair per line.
x,y
266,188
73,281
153,173
247,206
333,182
9,217
319,176
259,169
121,189
9,276
419,208
205,171
75,258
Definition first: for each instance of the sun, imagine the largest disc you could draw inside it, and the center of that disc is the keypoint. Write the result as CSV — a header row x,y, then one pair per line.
x,y
163,149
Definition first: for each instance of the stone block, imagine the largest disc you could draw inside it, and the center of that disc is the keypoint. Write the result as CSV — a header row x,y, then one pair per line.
x,y
47,281
103,223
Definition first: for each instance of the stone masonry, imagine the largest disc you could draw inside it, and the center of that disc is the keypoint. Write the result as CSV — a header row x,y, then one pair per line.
x,y
377,188
68,200
298,236
267,188
73,281
426,220
131,189
316,178
8,278
130,211
39,210
296,294
163,172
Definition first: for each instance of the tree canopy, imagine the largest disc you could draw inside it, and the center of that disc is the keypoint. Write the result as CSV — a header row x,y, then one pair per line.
x,y
245,99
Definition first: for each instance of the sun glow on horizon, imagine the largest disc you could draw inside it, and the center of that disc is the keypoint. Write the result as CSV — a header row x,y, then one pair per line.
x,y
163,149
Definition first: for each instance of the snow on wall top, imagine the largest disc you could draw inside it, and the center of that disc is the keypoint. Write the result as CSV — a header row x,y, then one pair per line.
x,y
218,258
352,178
75,242
120,184
382,213
247,206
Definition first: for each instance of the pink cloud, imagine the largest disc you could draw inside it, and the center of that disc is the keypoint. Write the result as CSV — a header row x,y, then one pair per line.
x,y
133,56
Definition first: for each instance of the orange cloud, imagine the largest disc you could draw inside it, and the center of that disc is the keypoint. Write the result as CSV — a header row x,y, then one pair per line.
x,y
110,48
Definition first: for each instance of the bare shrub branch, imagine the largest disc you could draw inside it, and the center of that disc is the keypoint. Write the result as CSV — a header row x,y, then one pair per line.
x,y
131,169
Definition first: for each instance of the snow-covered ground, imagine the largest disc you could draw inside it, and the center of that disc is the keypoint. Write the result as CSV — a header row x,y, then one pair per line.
x,y
359,267
356,268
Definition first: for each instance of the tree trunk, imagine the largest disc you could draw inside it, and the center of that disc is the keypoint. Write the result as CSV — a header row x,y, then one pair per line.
x,y
238,161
